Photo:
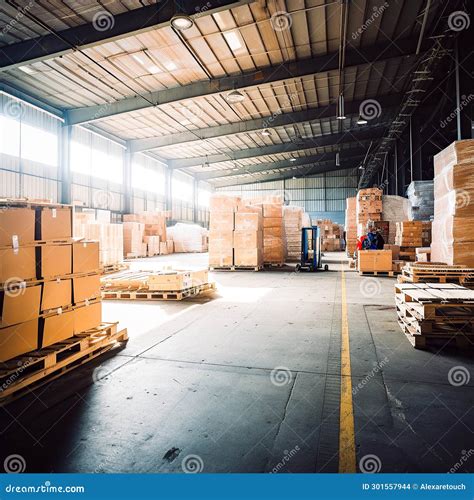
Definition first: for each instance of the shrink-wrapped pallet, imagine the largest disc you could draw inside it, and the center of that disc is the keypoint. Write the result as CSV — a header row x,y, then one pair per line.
x,y
187,238
421,197
395,209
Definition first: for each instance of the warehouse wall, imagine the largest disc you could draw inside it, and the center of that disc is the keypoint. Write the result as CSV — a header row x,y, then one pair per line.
x,y
322,196
29,151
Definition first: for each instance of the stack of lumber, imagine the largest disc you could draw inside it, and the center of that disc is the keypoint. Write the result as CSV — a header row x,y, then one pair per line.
x,y
165,284
249,237
110,236
395,209
221,230
421,197
408,237
185,238
292,225
152,226
453,224
368,207
431,313
331,235
351,225
49,282
435,272
273,242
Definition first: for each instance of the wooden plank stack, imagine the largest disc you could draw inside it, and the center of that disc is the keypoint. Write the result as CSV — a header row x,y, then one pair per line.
x,y
273,243
435,272
369,208
292,225
453,225
351,226
431,313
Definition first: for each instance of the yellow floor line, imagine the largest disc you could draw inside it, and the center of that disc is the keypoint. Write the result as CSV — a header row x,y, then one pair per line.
x,y
347,454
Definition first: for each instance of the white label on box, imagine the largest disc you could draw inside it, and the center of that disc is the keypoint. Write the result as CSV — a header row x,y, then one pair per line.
x,y
15,243
87,302
58,280
60,310
53,213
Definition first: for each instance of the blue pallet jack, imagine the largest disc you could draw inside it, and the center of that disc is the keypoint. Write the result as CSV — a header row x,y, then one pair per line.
x,y
310,250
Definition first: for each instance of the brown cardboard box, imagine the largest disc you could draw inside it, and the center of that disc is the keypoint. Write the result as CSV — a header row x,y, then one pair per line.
x,y
85,256
55,260
56,293
273,210
272,222
19,222
221,241
248,239
56,223
221,258
20,264
19,305
374,260
395,251
87,317
56,328
170,282
248,257
18,339
221,221
85,288
200,277
248,221
224,203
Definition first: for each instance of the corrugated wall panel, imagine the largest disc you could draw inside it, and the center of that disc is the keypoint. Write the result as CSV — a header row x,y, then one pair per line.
x,y
335,205
315,182
80,194
314,205
10,184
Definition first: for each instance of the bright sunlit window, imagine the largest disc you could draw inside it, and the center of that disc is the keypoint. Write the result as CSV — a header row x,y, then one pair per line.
x,y
148,179
203,197
182,190
9,136
90,161
38,145
80,155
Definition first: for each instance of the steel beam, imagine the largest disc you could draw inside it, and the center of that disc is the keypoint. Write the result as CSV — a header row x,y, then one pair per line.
x,y
116,27
272,74
287,147
387,103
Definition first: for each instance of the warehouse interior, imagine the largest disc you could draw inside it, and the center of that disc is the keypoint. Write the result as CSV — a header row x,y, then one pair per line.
x,y
118,108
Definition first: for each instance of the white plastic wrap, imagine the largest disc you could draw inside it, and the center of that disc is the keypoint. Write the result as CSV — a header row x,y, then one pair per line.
x,y
187,237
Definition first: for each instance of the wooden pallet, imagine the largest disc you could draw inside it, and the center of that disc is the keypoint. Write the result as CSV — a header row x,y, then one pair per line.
x,y
274,264
437,340
114,268
235,268
29,202
435,325
23,374
145,294
389,274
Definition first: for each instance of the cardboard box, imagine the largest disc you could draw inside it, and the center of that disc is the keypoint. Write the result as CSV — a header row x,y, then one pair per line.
x,y
272,222
248,239
85,288
87,317
170,282
248,221
18,339
273,210
200,277
18,222
273,232
374,260
56,293
221,241
224,203
54,260
56,223
85,256
251,257
395,251
20,264
56,328
221,259
19,305
221,221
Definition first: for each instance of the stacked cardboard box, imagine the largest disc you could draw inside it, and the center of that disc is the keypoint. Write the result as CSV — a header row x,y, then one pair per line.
x,y
370,261
248,237
368,207
409,237
426,233
292,225
331,235
273,242
133,243
49,291
221,229
453,224
351,225
153,230
395,209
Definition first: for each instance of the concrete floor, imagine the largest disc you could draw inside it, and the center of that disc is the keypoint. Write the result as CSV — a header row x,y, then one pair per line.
x,y
248,381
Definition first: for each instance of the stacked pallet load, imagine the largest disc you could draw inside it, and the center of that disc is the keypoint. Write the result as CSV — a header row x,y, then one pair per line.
x,y
408,238
273,240
432,314
248,237
375,262
164,284
421,197
453,224
221,230
433,272
186,238
292,225
331,235
152,227
395,209
133,244
351,226
368,208
50,294
110,236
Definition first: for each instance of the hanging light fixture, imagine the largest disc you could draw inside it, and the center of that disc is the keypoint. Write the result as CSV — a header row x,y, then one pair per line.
x,y
340,110
266,132
338,160
362,121
181,22
235,96
292,159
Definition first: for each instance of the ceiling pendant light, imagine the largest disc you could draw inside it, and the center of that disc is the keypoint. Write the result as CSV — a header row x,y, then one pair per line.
x,y
340,110
181,22
292,159
235,96
338,160
266,132
362,121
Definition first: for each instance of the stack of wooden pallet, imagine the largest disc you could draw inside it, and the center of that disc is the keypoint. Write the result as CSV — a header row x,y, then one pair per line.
x,y
168,284
436,313
49,288
433,272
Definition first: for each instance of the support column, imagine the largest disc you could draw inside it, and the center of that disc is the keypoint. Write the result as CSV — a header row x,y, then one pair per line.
x,y
196,200
168,188
127,181
465,83
417,151
65,163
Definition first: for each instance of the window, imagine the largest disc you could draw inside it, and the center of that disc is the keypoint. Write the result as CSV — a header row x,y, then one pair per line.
x,y
80,155
203,197
95,162
148,179
9,136
38,145
182,190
